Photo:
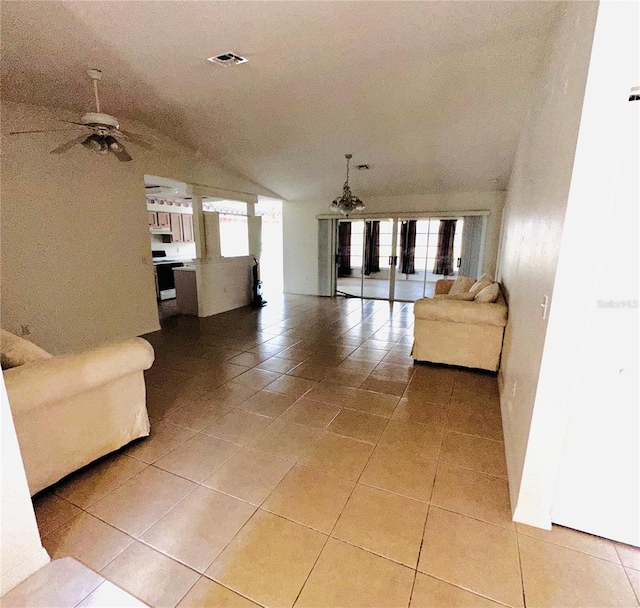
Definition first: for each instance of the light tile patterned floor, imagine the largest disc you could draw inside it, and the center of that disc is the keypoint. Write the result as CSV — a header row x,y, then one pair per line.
x,y
299,457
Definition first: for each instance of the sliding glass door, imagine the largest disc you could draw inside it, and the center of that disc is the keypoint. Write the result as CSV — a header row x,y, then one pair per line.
x,y
380,259
402,258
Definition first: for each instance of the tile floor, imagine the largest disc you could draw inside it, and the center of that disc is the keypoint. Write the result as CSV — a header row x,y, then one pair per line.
x,y
298,457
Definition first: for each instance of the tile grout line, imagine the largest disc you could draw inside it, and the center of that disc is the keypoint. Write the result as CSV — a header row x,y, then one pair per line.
x,y
329,536
522,587
424,527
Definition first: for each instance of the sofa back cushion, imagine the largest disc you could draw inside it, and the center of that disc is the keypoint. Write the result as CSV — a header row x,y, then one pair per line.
x,y
17,351
479,285
488,294
461,285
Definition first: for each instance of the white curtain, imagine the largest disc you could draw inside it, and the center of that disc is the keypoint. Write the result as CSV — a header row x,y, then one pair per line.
x,y
471,243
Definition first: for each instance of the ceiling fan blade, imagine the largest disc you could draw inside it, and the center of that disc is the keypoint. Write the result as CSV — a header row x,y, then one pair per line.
x,y
41,131
73,122
69,145
136,139
122,155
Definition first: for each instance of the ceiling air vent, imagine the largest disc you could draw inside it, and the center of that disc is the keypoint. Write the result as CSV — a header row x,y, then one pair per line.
x,y
227,59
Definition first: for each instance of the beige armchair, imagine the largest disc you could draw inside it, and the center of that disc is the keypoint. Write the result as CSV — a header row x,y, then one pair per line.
x,y
72,409
460,332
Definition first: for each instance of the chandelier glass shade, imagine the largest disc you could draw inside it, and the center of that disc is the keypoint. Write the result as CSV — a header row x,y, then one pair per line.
x,y
348,202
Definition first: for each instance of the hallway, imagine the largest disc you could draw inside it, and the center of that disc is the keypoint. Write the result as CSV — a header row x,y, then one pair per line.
x,y
298,457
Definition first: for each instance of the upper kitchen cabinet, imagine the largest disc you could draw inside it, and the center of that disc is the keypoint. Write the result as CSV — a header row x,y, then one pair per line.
x,y
175,220
181,225
164,219
187,228
159,220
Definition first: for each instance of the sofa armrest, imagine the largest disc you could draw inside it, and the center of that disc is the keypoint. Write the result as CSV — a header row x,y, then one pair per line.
x,y
456,311
48,381
443,286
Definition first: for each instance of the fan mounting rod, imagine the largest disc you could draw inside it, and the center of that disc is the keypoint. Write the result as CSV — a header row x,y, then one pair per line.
x,y
95,75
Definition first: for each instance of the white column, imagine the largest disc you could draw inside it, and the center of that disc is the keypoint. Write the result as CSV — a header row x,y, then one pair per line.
x,y
199,232
254,226
212,233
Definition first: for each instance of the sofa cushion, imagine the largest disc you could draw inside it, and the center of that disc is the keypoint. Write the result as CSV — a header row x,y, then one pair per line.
x,y
17,351
466,297
488,294
479,285
486,277
478,313
461,285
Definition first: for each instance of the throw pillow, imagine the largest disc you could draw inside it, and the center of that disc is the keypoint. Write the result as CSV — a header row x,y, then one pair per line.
x,y
488,294
467,297
486,277
18,351
461,285
479,285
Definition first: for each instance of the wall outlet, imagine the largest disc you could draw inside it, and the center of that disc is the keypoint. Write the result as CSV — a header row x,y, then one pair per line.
x,y
545,307
25,330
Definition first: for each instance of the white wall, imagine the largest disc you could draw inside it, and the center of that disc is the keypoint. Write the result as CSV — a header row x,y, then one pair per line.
x,y
21,552
300,228
581,465
533,224
223,284
76,261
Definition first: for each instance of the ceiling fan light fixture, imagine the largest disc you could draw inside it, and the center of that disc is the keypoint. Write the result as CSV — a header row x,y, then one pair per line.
x,y
348,202
96,143
113,144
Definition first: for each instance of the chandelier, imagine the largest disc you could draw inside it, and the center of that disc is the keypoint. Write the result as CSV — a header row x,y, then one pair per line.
x,y
347,203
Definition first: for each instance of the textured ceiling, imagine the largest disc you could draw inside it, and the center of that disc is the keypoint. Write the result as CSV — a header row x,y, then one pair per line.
x,y
431,94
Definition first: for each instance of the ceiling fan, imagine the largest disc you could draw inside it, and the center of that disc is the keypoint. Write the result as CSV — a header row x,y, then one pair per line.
x,y
100,132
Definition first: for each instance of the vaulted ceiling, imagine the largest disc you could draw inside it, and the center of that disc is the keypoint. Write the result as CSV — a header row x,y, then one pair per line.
x,y
431,94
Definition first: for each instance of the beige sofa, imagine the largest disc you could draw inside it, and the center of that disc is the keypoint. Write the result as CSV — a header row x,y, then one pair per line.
x,y
72,409
462,332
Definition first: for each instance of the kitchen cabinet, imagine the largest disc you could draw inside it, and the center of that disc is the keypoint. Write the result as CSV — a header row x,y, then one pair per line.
x,y
164,219
159,220
187,228
175,220
181,226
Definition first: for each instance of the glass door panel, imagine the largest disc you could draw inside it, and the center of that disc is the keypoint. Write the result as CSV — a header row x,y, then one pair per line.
x,y
350,243
413,237
379,258
419,264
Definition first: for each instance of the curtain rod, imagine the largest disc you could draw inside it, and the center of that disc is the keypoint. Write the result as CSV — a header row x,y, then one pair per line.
x,y
403,215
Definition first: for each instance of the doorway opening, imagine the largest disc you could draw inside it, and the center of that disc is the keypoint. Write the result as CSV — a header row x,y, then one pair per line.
x,y
271,258
172,243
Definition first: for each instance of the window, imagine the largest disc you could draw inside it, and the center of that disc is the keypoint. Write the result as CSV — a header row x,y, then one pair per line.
x,y
234,235
234,228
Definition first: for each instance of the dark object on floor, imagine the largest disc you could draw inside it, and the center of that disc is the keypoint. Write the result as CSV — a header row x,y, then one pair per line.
x,y
257,301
